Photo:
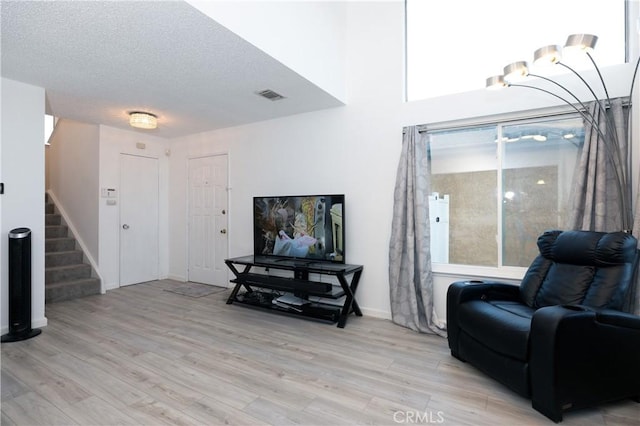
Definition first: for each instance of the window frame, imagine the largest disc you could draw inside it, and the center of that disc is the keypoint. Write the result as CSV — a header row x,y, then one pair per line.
x,y
500,121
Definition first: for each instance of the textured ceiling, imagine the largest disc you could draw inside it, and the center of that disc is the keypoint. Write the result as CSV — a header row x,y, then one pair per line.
x,y
98,60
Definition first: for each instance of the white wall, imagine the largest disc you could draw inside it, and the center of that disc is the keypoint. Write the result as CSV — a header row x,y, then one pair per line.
x,y
306,36
114,142
22,171
73,164
352,150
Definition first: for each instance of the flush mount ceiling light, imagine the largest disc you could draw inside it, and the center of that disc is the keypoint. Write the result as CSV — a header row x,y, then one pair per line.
x,y
143,120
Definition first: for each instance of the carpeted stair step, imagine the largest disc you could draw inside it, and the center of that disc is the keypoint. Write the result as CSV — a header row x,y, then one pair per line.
x,y
59,244
52,219
67,273
58,292
62,258
56,231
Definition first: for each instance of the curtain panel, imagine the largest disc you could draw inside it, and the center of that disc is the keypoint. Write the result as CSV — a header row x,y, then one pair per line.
x,y
596,196
410,274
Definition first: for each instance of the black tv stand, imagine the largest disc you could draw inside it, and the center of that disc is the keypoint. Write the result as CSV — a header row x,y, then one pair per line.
x,y
299,285
301,273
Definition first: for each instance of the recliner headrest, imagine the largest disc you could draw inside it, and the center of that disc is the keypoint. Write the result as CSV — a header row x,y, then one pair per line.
x,y
587,247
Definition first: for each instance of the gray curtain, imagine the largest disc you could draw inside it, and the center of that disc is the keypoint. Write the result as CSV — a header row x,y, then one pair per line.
x,y
595,201
410,276
595,204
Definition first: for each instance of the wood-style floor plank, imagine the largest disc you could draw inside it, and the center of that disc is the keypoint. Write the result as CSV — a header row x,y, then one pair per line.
x,y
141,355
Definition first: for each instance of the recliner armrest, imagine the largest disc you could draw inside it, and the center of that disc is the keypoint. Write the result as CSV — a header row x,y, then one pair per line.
x,y
580,356
464,291
609,316
619,319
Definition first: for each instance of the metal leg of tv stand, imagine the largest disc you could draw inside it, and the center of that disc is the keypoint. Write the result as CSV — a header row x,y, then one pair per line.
x,y
350,300
234,292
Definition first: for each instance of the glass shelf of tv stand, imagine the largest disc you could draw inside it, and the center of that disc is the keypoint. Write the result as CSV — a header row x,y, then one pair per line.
x,y
313,309
313,266
291,285
299,285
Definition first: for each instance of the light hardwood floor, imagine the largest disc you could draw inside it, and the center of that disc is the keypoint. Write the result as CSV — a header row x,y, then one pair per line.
x,y
142,355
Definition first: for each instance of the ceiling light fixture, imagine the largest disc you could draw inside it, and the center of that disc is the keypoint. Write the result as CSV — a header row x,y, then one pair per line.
x,y
143,120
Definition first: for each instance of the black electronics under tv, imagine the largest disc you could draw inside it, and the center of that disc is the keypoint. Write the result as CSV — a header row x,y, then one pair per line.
x,y
309,227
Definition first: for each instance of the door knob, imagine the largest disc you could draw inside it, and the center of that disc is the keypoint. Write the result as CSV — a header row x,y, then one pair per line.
x,y
125,226
223,231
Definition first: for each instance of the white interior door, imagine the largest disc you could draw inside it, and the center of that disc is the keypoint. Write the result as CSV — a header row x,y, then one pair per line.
x,y
139,219
208,237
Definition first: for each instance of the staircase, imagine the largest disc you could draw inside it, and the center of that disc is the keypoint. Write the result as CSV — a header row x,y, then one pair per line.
x,y
67,276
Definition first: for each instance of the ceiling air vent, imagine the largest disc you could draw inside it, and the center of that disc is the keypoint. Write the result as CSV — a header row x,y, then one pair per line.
x,y
271,95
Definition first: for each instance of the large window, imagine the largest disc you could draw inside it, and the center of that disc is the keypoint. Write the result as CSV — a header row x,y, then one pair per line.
x,y
503,184
453,46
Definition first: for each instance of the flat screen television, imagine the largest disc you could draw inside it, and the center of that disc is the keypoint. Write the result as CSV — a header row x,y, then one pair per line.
x,y
309,227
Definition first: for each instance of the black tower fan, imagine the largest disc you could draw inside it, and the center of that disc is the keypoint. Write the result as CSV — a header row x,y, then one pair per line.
x,y
20,286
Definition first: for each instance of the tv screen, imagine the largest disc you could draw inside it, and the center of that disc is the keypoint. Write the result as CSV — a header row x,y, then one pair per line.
x,y
299,227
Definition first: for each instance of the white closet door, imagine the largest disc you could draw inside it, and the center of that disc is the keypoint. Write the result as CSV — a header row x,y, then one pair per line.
x,y
139,219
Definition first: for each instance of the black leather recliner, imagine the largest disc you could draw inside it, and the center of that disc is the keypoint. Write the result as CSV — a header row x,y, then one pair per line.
x,y
560,338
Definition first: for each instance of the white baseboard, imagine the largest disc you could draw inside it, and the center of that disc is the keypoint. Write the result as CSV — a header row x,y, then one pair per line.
x,y
37,323
375,313
42,322
180,278
110,286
